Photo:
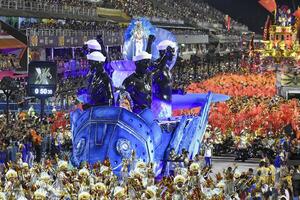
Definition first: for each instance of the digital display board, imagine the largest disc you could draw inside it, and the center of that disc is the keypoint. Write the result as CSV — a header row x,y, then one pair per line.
x,y
42,77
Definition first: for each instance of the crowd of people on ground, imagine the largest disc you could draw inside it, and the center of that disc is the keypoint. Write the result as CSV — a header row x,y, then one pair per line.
x,y
249,145
26,134
39,166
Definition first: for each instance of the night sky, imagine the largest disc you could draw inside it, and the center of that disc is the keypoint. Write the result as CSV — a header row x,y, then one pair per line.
x,y
249,12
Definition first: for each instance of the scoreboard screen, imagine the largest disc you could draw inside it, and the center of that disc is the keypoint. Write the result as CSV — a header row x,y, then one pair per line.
x,y
42,77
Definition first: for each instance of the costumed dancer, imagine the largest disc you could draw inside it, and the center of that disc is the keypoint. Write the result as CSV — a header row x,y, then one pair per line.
x,y
150,174
119,193
242,146
149,194
194,178
40,194
136,37
124,172
180,188
13,186
132,160
170,166
139,37
194,181
44,183
85,180
99,191
84,196
229,178
60,176
141,168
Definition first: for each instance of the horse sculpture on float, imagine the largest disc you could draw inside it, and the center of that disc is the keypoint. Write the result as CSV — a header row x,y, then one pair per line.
x,y
113,132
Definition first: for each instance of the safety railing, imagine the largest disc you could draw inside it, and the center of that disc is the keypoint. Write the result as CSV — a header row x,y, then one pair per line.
x,y
62,32
110,37
41,6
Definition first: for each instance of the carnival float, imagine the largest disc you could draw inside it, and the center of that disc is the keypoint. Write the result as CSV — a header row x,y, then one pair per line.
x,y
280,51
127,104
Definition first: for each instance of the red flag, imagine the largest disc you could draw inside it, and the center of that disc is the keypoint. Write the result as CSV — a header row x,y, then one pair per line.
x,y
270,5
297,13
228,22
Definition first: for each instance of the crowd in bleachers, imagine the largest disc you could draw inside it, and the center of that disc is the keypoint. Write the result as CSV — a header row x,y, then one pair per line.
x,y
8,62
189,32
133,8
75,3
83,3
198,69
195,11
70,24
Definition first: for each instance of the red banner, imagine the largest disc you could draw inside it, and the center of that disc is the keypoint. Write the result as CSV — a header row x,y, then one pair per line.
x,y
270,5
297,13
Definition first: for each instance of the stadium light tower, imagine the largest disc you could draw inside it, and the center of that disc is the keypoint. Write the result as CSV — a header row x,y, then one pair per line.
x,y
8,85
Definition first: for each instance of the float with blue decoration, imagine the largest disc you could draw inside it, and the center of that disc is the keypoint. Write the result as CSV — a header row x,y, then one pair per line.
x,y
128,104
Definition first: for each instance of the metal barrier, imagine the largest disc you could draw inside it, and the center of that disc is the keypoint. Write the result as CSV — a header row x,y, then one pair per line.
x,y
41,6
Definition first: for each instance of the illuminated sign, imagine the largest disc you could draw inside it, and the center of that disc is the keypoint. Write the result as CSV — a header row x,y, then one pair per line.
x,y
42,78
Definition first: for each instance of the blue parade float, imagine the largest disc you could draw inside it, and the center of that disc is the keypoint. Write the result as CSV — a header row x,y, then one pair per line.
x,y
103,131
